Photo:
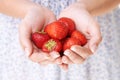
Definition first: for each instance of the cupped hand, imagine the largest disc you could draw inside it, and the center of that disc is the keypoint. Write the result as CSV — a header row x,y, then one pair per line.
x,y
86,24
35,20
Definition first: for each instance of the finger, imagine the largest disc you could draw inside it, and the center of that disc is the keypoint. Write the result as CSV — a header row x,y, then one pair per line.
x,y
25,38
66,60
95,36
46,62
75,58
39,56
51,61
55,57
82,51
64,66
54,54
58,60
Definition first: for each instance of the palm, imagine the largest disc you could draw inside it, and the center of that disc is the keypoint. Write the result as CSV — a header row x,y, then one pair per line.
x,y
34,21
85,24
83,20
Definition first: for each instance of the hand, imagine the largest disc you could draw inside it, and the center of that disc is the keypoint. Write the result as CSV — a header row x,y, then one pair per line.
x,y
35,20
88,26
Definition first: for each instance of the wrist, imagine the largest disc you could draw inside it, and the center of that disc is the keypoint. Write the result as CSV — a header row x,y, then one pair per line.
x,y
82,4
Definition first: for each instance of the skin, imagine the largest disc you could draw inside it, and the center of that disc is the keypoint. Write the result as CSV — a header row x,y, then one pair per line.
x,y
85,10
34,17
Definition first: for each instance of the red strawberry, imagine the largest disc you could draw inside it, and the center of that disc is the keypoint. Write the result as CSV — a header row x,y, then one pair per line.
x,y
79,36
56,30
70,42
39,38
69,23
52,45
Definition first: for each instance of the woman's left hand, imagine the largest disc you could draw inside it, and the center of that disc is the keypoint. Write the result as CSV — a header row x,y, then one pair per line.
x,y
86,24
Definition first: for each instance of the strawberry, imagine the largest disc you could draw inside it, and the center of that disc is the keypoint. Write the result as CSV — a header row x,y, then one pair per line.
x,y
39,38
52,45
69,23
70,42
79,36
56,30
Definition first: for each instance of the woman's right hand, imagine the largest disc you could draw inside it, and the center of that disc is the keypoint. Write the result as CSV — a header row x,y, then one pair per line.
x,y
35,20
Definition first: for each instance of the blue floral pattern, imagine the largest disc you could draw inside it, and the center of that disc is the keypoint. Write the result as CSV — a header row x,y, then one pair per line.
x,y
103,65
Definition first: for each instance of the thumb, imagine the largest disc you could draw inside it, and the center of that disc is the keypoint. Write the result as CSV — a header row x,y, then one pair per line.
x,y
94,43
25,38
95,37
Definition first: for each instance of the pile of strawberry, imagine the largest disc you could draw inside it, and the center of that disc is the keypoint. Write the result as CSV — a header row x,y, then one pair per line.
x,y
58,36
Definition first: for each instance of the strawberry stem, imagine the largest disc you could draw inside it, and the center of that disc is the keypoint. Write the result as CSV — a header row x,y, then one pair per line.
x,y
50,44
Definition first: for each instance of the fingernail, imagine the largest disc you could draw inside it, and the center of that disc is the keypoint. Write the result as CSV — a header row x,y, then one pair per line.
x,y
55,54
64,61
27,52
73,48
67,52
94,48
